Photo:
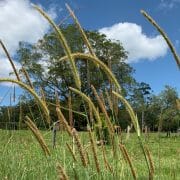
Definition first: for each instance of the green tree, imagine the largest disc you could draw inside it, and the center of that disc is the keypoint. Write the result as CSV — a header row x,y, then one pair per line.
x,y
140,99
163,113
153,113
171,114
42,62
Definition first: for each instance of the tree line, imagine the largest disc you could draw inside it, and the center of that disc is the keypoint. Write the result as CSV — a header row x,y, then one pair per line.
x,y
52,76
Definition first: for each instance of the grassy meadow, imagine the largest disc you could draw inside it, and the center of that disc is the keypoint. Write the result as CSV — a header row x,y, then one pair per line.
x,y
22,158
77,155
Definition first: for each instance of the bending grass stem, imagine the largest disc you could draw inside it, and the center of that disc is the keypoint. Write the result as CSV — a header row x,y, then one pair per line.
x,y
96,62
153,22
135,123
88,100
33,93
10,60
86,41
64,45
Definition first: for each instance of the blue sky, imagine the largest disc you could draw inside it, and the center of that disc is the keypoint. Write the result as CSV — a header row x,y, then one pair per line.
x,y
118,19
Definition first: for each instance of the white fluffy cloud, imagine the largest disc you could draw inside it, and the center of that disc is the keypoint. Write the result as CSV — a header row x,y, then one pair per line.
x,y
19,21
138,45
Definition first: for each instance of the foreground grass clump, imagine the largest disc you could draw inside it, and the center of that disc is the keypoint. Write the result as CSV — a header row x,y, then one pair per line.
x,y
21,157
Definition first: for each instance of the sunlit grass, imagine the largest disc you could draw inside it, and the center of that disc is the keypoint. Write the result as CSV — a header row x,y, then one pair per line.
x,y
22,158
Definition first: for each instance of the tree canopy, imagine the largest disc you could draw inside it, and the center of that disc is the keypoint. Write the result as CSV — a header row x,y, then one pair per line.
x,y
42,61
48,72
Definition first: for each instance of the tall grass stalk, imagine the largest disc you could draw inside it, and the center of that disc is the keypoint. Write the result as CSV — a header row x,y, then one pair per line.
x,y
106,163
80,148
151,163
62,173
135,122
96,61
43,95
26,74
73,133
88,100
10,60
94,150
67,109
33,93
71,151
87,155
130,111
128,159
161,31
86,41
27,77
71,123
108,121
65,46
103,109
38,136
62,120
109,100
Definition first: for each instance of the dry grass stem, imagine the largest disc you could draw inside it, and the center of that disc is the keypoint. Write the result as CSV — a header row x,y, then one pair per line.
x,y
152,168
27,77
10,60
43,96
86,41
102,99
109,100
64,45
62,119
38,136
108,121
130,111
57,100
103,109
128,159
106,163
62,173
91,114
161,31
70,110
64,19
178,103
87,155
33,93
71,151
67,109
93,146
115,103
88,100
80,147
96,61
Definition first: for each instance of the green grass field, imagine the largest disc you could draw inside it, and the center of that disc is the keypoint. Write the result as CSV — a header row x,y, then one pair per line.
x,y
22,158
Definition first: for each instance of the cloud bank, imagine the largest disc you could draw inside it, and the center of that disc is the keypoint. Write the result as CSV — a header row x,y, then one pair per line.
x,y
19,21
138,45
